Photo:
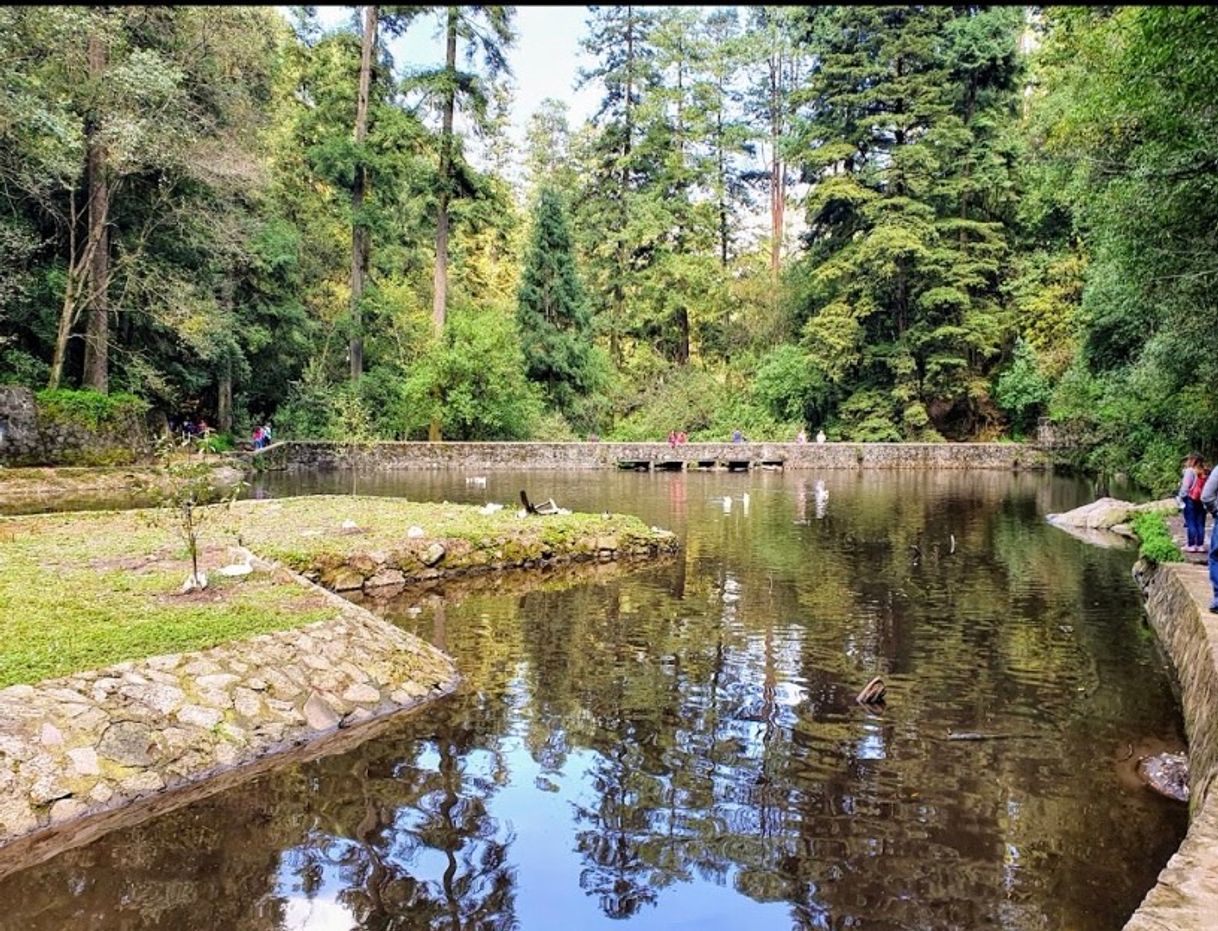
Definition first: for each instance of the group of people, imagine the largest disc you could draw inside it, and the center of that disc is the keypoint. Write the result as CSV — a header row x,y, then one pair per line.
x,y
677,438
1198,497
262,436
190,428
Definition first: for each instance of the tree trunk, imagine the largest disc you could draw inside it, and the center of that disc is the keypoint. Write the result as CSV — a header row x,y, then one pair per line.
x,y
224,383
619,286
97,331
224,399
439,304
68,311
722,168
361,238
777,172
682,336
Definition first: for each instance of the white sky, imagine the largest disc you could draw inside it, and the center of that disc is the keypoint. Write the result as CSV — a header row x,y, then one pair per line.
x,y
544,60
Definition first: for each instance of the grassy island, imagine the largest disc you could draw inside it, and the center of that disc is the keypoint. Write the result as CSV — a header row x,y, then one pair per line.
x,y
83,590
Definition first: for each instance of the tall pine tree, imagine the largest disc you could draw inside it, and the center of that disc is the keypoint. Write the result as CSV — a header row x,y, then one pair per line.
x,y
552,310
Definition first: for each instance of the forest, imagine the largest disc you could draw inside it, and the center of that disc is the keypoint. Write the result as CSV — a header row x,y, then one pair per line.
x,y
892,223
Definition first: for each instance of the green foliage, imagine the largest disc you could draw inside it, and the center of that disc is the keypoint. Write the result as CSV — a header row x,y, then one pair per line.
x,y
1157,543
908,219
552,312
475,379
982,244
1126,160
89,408
1021,390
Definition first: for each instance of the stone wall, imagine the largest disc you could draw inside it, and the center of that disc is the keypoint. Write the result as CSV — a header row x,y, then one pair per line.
x,y
307,455
89,743
1177,600
35,437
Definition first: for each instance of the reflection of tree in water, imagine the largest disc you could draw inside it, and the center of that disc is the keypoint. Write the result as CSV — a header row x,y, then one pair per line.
x,y
709,708
351,826
703,766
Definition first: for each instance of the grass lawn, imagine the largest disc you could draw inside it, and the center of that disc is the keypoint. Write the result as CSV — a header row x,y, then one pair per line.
x,y
87,589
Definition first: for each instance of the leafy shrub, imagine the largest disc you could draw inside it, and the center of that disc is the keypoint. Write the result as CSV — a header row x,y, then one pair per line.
x,y
1022,391
88,408
1157,543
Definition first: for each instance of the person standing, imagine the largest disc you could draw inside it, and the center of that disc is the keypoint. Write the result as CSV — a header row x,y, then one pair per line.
x,y
1192,482
1209,500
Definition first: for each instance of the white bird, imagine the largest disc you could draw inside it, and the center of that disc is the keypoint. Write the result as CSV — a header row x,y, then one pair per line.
x,y
727,503
350,525
744,499
415,532
490,508
238,568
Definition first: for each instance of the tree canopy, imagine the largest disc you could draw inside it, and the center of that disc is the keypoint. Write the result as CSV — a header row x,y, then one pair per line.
x,y
887,222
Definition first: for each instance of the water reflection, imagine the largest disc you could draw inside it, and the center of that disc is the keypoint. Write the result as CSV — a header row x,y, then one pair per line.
x,y
679,746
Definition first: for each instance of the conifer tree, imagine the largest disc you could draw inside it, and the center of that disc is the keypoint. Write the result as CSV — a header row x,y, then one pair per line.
x,y
552,310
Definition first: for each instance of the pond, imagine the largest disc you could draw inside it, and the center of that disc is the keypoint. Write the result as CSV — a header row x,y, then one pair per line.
x,y
678,745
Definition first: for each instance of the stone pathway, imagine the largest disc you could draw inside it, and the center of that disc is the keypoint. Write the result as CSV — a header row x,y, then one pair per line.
x,y
1186,895
94,741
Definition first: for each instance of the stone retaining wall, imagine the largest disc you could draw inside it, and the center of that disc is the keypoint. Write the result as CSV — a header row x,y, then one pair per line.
x,y
384,573
94,741
401,456
1177,600
33,436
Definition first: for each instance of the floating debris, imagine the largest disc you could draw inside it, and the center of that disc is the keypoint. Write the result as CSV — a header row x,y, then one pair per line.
x,y
873,692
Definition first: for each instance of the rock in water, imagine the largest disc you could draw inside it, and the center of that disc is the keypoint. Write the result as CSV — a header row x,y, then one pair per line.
x,y
1167,774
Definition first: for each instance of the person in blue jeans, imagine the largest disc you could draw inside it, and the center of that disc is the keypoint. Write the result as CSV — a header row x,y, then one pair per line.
x,y
1209,499
1192,480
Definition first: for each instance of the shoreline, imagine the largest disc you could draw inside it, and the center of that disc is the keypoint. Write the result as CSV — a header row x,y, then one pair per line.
x,y
98,742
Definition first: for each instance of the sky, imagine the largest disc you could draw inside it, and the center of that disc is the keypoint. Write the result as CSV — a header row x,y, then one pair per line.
x,y
544,60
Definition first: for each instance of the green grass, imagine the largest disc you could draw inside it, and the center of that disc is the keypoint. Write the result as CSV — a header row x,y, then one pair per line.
x,y
301,532
85,590
1157,543
72,597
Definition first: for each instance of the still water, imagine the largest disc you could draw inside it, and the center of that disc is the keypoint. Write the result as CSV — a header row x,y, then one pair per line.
x,y
677,745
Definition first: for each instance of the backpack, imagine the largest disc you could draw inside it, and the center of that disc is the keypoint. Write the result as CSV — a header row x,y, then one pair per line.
x,y
1198,483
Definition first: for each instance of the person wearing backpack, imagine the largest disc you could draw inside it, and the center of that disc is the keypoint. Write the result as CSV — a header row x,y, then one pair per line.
x,y
1192,481
1209,501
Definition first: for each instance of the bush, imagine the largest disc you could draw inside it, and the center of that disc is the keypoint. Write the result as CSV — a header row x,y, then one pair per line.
x,y
89,408
1157,543
1022,391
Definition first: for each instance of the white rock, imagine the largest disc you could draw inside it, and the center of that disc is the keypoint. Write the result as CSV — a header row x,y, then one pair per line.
x,y
206,718
415,532
194,583
84,761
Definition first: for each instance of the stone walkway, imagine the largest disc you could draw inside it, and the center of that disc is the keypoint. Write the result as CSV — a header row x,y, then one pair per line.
x,y
1177,602
94,741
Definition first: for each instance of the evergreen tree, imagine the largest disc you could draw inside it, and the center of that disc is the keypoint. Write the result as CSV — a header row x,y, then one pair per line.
x,y
552,310
486,29
903,256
